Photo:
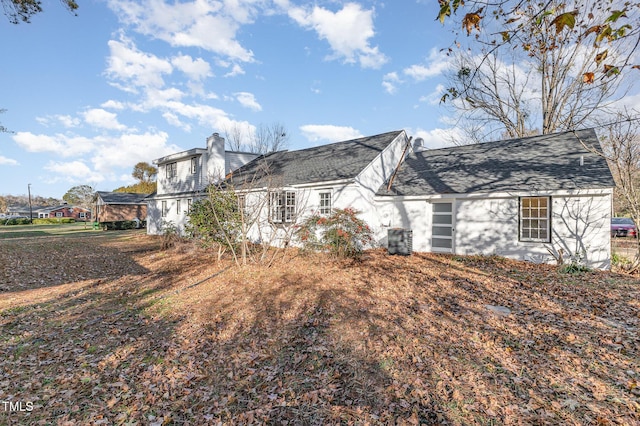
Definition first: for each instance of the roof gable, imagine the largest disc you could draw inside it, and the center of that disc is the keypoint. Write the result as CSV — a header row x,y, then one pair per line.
x,y
325,163
122,197
539,163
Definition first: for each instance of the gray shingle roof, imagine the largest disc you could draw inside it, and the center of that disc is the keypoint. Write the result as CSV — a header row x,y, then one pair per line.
x,y
122,197
336,161
547,162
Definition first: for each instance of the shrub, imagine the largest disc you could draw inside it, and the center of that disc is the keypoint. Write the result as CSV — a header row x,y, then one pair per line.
x,y
53,220
342,233
15,221
216,219
122,224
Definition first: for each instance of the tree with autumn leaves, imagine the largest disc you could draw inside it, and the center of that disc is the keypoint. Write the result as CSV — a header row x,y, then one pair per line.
x,y
539,67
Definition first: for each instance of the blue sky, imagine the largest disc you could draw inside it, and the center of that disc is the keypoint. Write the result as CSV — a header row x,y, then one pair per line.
x,y
89,96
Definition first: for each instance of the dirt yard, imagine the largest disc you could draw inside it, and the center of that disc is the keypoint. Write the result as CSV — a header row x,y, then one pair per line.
x,y
108,329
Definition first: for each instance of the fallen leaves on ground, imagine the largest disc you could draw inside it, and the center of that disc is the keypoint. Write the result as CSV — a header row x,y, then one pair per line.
x,y
109,329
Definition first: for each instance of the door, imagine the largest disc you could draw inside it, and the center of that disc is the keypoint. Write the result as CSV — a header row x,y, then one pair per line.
x,y
442,227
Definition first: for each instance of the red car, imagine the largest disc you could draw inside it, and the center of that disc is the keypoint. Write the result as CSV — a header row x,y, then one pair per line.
x,y
623,227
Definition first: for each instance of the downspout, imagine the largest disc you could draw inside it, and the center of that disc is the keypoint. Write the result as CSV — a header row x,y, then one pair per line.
x,y
395,172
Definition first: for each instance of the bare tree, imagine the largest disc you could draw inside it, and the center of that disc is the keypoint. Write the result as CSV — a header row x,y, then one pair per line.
x,y
622,149
541,77
263,139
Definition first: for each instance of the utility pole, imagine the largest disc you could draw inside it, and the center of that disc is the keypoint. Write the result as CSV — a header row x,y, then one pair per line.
x,y
30,209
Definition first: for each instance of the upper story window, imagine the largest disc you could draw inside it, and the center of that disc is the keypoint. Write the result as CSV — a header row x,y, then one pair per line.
x,y
535,219
282,206
325,203
194,165
172,170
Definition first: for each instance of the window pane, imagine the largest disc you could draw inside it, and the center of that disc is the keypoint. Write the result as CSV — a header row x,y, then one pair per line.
x,y
526,233
441,242
441,207
444,231
442,219
534,202
525,203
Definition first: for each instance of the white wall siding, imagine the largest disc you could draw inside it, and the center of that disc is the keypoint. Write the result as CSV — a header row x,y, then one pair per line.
x,y
184,181
490,226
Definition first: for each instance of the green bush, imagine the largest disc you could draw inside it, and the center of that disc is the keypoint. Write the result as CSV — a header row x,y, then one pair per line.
x,y
342,233
122,224
53,220
20,221
216,220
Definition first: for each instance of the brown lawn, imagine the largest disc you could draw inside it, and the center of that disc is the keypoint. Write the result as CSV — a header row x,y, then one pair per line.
x,y
109,329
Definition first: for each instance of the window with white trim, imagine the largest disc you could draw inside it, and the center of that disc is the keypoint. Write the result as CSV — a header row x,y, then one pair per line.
x,y
325,203
194,165
58,214
164,209
172,170
189,201
535,219
178,207
282,206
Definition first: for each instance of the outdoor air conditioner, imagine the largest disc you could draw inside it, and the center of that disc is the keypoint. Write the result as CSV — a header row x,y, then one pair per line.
x,y
400,241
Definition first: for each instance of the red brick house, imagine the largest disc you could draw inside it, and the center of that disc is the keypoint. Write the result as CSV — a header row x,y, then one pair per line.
x,y
65,211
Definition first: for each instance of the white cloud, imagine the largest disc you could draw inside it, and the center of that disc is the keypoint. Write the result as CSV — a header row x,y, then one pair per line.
x,y
329,133
63,145
197,69
8,161
210,25
72,171
389,82
130,68
127,149
113,105
347,31
248,100
437,63
235,70
65,120
102,119
438,138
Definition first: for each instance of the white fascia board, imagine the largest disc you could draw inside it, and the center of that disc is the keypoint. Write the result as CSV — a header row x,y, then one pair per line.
x,y
179,155
555,193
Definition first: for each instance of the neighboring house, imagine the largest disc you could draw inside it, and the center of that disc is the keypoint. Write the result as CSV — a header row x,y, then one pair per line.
x,y
183,176
65,211
23,211
528,199
120,206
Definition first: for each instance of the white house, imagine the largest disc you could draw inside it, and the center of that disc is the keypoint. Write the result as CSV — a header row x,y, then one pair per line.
x,y
530,198
183,176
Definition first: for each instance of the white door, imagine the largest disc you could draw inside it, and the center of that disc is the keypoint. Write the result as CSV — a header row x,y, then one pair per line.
x,y
442,227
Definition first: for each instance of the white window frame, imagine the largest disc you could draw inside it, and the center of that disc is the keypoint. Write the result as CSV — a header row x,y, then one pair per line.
x,y
282,206
178,206
326,203
59,214
163,209
534,219
171,170
194,165
189,202
82,215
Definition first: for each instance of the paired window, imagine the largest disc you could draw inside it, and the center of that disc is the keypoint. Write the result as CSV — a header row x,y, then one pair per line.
x,y
194,165
172,170
165,210
325,203
535,219
282,206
